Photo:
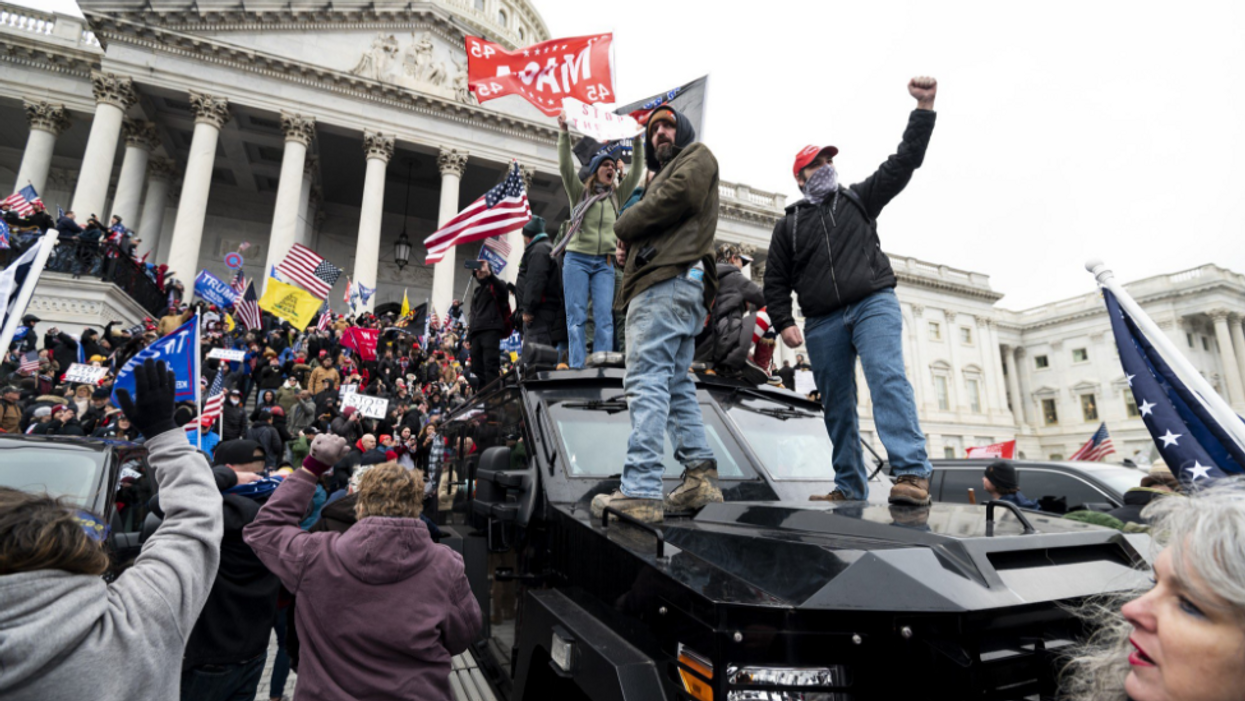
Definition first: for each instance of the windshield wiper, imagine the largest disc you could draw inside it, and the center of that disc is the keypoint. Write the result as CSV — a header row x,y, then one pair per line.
x,y
782,414
761,395
613,405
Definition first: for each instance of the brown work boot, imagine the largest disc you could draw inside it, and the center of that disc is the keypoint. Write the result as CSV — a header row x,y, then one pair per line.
x,y
646,510
699,487
836,495
910,489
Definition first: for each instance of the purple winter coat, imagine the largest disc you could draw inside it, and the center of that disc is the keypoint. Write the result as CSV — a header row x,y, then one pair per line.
x,y
381,608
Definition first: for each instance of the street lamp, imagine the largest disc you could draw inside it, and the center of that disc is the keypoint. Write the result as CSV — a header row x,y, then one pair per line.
x,y
402,248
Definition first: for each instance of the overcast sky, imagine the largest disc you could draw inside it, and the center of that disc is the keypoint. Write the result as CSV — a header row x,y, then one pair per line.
x,y
1066,129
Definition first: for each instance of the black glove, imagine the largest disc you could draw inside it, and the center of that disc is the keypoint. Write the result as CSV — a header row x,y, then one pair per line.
x,y
156,387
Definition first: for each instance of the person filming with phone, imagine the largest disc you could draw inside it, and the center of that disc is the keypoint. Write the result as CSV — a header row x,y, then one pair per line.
x,y
490,321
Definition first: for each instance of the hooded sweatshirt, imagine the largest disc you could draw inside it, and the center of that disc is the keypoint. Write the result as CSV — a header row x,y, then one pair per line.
x,y
362,576
72,636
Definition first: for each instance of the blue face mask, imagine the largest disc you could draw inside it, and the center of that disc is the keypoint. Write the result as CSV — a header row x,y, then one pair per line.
x,y
823,183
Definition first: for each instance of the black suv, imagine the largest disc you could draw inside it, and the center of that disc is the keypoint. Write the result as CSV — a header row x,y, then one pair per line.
x,y
1060,487
106,477
765,596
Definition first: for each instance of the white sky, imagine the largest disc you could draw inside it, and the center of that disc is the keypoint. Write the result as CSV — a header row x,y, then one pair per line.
x,y
1066,130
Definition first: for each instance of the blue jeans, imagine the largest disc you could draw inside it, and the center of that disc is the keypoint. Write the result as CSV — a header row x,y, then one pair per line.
x,y
662,323
230,682
583,274
872,328
281,663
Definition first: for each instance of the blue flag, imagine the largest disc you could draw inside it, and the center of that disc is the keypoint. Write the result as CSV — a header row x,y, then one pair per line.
x,y
214,290
1194,445
180,350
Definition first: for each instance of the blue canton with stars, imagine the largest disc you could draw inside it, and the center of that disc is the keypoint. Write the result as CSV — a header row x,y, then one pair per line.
x,y
328,272
1194,446
512,186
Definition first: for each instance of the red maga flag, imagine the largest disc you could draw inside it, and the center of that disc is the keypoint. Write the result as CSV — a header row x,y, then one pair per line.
x,y
1005,450
362,341
543,74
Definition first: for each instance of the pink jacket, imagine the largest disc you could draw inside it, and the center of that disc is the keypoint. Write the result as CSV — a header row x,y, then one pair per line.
x,y
381,608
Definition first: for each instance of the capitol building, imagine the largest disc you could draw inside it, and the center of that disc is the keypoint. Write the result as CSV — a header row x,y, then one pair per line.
x,y
346,126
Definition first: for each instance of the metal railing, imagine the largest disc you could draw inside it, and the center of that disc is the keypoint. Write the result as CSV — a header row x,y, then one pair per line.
x,y
100,260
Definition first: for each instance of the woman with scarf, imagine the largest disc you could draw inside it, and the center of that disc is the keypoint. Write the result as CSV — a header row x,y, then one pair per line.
x,y
589,243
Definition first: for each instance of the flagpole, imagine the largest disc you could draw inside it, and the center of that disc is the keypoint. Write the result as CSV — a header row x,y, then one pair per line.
x,y
1215,404
47,243
198,384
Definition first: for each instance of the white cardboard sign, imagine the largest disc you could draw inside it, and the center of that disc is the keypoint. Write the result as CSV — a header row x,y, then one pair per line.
x,y
80,374
804,382
227,354
598,122
371,407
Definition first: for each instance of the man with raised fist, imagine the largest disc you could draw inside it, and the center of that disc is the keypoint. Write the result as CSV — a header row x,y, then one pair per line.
x,y
827,250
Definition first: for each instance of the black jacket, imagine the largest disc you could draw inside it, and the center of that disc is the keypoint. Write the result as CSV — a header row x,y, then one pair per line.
x,y
1135,500
731,339
538,287
830,253
270,440
489,303
233,421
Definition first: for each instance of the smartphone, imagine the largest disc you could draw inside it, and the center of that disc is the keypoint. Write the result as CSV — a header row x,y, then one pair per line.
x,y
473,265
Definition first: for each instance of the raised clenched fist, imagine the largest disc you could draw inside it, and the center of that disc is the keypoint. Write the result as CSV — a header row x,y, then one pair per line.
x,y
924,88
562,120
328,448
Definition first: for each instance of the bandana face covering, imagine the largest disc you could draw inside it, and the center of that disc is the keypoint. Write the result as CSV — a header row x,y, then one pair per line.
x,y
825,181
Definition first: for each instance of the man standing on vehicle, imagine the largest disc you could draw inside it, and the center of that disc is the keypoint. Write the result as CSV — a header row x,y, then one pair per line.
x,y
827,249
668,284
538,288
490,307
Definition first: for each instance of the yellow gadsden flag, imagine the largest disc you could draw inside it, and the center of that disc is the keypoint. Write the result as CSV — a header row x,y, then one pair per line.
x,y
296,306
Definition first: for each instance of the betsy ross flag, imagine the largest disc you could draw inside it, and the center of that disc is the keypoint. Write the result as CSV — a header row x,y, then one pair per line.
x,y
1097,447
1194,444
501,210
23,201
30,362
215,401
309,269
247,307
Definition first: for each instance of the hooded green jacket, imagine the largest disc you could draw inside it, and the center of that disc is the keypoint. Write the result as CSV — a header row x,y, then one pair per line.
x,y
596,236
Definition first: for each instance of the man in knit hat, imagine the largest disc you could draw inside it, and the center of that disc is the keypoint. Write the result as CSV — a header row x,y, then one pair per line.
x,y
668,285
538,288
826,250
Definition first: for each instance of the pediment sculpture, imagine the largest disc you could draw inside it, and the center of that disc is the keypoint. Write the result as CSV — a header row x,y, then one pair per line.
x,y
416,67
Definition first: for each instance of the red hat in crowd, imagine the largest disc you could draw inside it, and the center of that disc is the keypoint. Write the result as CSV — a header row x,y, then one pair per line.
x,y
348,411
390,455
276,411
809,154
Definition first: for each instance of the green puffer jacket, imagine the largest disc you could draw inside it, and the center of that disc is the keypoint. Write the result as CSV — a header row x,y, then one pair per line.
x,y
596,236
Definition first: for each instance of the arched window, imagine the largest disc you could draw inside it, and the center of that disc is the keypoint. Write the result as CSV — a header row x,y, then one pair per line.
x,y
501,17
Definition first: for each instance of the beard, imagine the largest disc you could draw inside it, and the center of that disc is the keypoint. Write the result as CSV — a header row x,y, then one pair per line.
x,y
665,152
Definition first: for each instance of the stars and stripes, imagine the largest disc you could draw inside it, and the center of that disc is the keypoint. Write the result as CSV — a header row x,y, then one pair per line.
x,y
501,210
4,234
215,402
326,317
1195,446
309,269
762,328
23,201
239,282
30,362
247,307
1097,447
499,244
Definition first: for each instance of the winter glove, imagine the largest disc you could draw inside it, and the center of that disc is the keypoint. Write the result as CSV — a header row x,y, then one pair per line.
x,y
326,450
152,411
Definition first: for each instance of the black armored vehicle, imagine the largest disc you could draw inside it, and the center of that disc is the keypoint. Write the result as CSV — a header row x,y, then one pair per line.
x,y
767,596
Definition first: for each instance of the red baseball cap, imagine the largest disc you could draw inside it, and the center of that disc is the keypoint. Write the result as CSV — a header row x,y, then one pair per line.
x,y
809,154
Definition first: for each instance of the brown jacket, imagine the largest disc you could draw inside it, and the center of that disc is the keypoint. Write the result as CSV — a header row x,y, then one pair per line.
x,y
10,417
678,217
320,374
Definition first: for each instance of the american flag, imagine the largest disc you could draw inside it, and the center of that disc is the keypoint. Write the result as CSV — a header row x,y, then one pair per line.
x,y
326,317
309,269
499,244
1097,447
501,210
4,234
30,362
247,307
23,201
239,282
1194,444
215,401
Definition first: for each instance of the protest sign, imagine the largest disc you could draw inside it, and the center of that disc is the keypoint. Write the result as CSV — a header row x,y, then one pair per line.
x,y
582,67
495,259
349,389
227,354
79,374
1005,450
213,290
371,407
180,350
599,123
804,382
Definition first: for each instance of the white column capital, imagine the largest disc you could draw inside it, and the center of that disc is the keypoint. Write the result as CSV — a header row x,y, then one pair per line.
x,y
45,116
161,168
377,145
452,161
298,127
1217,315
527,173
140,134
310,164
113,89
209,109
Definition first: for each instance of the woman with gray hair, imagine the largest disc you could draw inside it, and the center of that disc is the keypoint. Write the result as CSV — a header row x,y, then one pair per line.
x,y
1184,639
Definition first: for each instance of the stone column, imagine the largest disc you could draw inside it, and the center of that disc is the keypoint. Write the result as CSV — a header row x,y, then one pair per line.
x,y
993,351
1231,369
919,370
113,96
140,141
1013,387
299,131
303,232
1238,342
379,149
211,113
957,397
1022,376
47,121
154,239
452,163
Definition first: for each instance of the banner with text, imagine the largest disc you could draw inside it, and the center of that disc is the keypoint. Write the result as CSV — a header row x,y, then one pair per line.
x,y
229,354
371,407
180,350
79,374
598,122
544,73
213,290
